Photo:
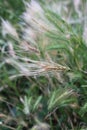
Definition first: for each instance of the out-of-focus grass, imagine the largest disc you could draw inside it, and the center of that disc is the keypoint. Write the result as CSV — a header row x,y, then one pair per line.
x,y
43,65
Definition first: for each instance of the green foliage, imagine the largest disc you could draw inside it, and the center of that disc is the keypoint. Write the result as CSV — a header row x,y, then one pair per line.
x,y
43,68
60,98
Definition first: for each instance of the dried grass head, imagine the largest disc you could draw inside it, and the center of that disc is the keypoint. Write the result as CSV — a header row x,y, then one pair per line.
x,y
41,126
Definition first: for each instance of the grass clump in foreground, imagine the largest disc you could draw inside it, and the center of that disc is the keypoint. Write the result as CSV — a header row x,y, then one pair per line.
x,y
43,78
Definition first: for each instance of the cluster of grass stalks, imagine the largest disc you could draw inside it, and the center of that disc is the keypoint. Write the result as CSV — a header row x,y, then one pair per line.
x,y
43,65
